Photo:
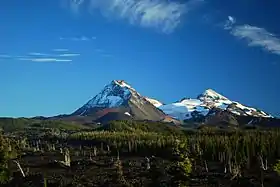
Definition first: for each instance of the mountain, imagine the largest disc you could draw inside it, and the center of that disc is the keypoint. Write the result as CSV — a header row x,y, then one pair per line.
x,y
120,97
206,104
120,101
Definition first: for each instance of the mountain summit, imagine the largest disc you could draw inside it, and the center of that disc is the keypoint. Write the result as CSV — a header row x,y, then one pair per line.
x,y
120,97
205,104
211,94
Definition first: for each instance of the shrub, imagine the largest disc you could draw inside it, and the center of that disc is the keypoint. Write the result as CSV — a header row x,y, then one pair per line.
x,y
276,167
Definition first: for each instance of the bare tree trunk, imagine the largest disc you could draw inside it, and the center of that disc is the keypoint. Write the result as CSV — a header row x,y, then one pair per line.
x,y
18,164
206,167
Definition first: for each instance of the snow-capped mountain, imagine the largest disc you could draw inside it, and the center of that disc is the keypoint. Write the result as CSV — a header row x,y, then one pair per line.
x,y
119,100
205,104
120,97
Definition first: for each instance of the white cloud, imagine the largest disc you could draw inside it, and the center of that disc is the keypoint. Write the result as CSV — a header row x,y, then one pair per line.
x,y
160,14
231,19
229,23
81,38
45,59
37,54
69,55
50,60
254,36
60,50
163,15
23,58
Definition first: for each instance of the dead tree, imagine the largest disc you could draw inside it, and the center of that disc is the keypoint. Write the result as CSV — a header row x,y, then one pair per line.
x,y
20,168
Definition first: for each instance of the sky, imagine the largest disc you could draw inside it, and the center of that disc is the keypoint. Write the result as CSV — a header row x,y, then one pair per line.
x,y
55,55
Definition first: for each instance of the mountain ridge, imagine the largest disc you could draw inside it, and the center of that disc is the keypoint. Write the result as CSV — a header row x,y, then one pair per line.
x,y
205,102
119,100
119,96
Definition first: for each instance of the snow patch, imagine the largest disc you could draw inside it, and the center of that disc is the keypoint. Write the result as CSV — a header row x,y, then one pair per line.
x,y
202,110
182,110
175,110
235,112
156,103
222,106
191,102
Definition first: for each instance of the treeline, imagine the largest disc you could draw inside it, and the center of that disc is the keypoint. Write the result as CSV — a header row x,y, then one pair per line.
x,y
141,126
11,124
16,124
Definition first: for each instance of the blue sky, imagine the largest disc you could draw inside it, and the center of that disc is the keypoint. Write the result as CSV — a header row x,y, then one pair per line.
x,y
57,54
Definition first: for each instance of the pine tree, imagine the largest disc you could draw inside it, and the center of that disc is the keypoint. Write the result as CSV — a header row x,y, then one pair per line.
x,y
181,167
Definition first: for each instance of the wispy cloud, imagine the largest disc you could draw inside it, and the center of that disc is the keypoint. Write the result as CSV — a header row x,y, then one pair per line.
x,y
162,15
69,54
38,54
4,56
254,36
58,56
60,50
260,37
45,59
81,38
229,23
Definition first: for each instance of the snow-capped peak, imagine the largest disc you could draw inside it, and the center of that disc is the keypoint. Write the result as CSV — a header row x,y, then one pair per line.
x,y
188,108
120,95
211,94
113,95
122,83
